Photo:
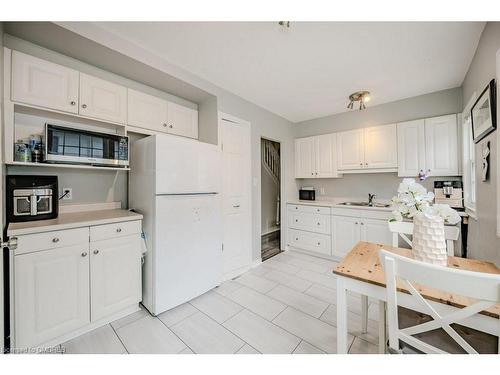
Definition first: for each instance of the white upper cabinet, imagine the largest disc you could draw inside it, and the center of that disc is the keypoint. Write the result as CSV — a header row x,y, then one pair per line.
x,y
305,161
182,120
381,147
42,83
102,99
428,145
441,143
411,148
147,111
351,149
316,157
326,155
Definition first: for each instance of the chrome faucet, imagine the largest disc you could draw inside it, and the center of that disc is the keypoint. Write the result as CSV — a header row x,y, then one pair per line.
x,y
371,198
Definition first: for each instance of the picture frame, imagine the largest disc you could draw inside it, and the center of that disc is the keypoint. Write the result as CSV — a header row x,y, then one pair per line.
x,y
483,113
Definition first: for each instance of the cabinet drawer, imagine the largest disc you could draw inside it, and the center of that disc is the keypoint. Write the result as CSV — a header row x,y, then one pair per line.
x,y
309,209
309,221
319,243
51,240
103,232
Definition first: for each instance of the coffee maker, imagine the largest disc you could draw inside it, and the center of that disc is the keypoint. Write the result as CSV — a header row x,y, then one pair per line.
x,y
450,193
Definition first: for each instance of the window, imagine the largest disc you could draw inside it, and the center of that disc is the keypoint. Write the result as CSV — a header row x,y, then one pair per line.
x,y
469,161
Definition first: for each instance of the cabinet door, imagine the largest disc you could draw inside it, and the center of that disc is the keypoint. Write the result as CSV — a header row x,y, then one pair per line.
x,y
42,83
309,221
305,158
441,145
377,231
102,99
115,275
319,243
411,148
51,294
346,233
326,155
351,149
182,120
146,111
381,147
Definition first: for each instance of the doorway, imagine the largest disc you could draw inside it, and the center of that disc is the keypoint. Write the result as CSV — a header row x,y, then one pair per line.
x,y
270,198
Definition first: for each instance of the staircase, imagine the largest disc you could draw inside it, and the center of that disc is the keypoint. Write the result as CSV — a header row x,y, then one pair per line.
x,y
272,164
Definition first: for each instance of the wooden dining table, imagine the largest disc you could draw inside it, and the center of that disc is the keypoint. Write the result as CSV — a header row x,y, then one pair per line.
x,y
360,271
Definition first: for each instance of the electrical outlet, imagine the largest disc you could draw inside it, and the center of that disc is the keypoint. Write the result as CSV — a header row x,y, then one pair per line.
x,y
69,195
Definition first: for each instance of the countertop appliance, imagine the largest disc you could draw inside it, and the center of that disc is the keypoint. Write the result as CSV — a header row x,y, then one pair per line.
x,y
74,146
307,194
449,192
31,198
176,183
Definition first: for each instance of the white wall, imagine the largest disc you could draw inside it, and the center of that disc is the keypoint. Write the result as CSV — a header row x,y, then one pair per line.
x,y
483,242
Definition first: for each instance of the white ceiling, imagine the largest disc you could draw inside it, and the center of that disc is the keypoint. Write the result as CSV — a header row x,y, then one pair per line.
x,y
308,70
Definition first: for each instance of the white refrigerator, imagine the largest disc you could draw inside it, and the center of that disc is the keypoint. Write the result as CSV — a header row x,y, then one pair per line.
x,y
176,183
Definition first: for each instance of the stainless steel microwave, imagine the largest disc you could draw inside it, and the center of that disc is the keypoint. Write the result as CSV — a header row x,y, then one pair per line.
x,y
73,146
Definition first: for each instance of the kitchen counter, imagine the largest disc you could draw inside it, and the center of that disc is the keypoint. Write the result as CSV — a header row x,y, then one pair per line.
x,y
335,202
73,220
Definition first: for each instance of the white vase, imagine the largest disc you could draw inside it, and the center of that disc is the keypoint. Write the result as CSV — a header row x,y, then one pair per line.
x,y
428,242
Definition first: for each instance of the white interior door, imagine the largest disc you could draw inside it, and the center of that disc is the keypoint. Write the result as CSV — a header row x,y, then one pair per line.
x,y
237,217
381,147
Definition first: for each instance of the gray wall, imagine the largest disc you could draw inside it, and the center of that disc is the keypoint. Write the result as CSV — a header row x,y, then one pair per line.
x,y
483,242
263,123
428,105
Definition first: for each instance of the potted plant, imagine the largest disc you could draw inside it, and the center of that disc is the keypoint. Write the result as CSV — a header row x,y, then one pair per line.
x,y
414,202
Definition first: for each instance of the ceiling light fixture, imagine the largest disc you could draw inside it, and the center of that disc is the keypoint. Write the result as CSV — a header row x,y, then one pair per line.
x,y
360,96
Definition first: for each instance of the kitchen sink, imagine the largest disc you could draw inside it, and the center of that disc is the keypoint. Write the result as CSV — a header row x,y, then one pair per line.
x,y
365,204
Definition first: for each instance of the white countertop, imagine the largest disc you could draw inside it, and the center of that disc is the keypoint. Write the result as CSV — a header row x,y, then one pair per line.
x,y
335,202
73,220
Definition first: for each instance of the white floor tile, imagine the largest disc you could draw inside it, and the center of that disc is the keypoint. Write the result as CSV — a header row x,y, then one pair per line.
x,y
304,264
319,278
313,259
205,336
99,341
288,280
260,270
216,306
175,315
258,283
186,351
298,300
281,266
130,318
261,334
318,333
322,293
306,348
360,346
247,349
149,336
353,324
227,287
259,303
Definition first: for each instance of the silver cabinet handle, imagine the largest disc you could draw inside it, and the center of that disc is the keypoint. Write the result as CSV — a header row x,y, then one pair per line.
x,y
55,240
296,239
84,105
165,125
356,223
96,252
362,223
236,206
366,163
361,164
296,220
118,230
319,223
170,126
72,102
84,254
319,243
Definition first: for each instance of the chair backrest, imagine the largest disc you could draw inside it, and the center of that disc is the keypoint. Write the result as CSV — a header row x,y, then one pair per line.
x,y
403,229
482,287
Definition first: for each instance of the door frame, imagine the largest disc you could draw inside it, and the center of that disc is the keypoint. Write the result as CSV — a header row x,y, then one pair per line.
x,y
281,188
230,118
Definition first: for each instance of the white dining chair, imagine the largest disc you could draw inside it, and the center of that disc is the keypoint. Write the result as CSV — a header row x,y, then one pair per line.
x,y
403,229
484,288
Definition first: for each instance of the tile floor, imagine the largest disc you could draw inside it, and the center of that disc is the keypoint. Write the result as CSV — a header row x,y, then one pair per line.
x,y
285,305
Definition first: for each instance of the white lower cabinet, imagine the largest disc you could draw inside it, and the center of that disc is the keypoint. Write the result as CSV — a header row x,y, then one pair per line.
x,y
64,289
51,294
320,243
115,278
